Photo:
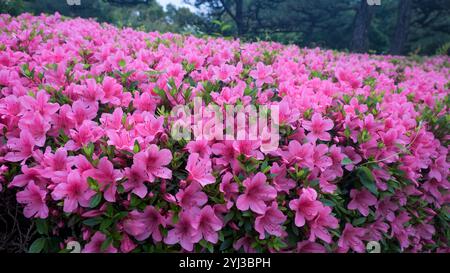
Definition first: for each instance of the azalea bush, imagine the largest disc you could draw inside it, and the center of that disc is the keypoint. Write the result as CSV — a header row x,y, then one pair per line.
x,y
85,117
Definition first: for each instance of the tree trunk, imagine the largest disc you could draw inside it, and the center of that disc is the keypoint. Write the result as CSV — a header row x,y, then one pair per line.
x,y
240,17
361,26
402,27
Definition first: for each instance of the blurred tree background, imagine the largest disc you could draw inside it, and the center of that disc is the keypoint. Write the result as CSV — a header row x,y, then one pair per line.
x,y
374,26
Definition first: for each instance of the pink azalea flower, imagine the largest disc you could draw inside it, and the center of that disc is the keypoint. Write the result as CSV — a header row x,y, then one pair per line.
x,y
229,189
439,169
122,140
288,113
82,111
310,247
376,231
224,72
191,196
145,102
399,228
57,165
318,128
22,147
245,243
107,178
150,127
126,244
230,95
320,159
91,92
208,224
354,157
28,174
75,191
34,198
318,226
82,164
248,148
199,170
184,232
227,154
63,120
301,154
10,106
270,221
200,147
113,121
95,245
306,207
280,181
86,133
142,225
351,238
36,125
153,160
257,192
386,208
112,90
361,200
262,74
39,105
135,181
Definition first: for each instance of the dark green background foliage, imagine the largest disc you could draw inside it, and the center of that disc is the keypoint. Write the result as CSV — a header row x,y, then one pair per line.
x,y
395,26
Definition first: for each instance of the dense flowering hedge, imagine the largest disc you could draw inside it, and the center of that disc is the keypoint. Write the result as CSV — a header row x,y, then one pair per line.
x,y
86,143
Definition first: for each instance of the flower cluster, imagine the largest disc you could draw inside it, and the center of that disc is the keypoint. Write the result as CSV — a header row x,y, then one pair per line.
x,y
86,143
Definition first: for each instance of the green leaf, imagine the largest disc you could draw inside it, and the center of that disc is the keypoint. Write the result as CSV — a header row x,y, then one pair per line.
x,y
328,203
228,217
89,150
226,244
359,221
346,161
120,215
42,226
106,244
93,184
92,221
136,147
95,200
105,224
366,177
38,245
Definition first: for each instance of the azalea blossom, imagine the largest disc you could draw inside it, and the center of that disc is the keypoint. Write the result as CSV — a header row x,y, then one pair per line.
x,y
153,161
107,178
136,178
208,224
144,224
257,192
270,222
34,198
191,196
321,223
352,239
22,147
184,232
318,128
95,245
199,170
75,191
361,200
306,207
